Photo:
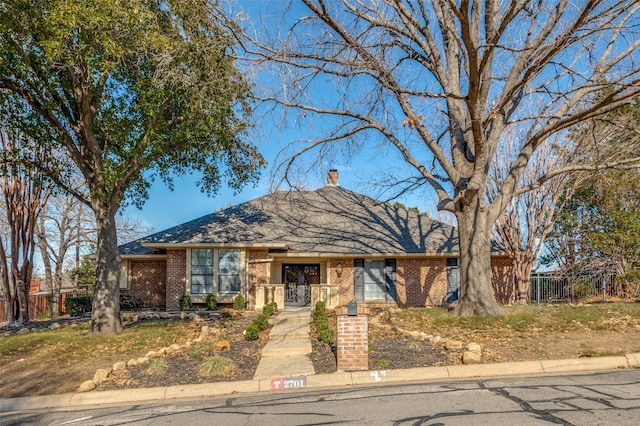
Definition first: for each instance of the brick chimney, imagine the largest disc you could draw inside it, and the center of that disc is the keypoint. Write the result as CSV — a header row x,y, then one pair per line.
x,y
332,177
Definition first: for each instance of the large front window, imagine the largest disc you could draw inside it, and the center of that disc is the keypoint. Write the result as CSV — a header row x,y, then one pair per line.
x,y
220,266
229,269
375,279
201,271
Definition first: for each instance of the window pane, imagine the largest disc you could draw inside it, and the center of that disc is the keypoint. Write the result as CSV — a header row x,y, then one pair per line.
x,y
201,271
229,283
229,269
374,281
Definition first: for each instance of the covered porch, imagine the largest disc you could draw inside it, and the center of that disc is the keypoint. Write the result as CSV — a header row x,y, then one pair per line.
x,y
300,282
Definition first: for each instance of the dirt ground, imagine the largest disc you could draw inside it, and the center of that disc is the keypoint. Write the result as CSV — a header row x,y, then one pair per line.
x,y
388,349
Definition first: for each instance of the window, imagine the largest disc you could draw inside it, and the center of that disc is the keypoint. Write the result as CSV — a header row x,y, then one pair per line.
x,y
229,269
124,274
201,271
375,279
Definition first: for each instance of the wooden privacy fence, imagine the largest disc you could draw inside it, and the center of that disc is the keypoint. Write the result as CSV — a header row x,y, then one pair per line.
x,y
38,303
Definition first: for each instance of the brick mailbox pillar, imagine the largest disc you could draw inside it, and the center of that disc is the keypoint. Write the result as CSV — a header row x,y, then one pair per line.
x,y
352,341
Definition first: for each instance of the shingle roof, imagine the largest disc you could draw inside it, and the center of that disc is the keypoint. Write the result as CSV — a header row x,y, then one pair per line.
x,y
330,220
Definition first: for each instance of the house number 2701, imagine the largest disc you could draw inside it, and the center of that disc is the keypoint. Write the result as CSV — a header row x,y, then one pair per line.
x,y
288,383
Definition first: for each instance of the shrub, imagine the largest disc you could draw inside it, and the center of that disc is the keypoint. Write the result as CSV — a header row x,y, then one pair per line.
x,y
321,321
78,305
129,302
269,309
185,302
238,303
251,333
211,302
216,364
260,323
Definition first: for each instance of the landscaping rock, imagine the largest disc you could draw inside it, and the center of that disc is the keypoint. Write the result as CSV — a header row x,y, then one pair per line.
x,y
24,331
471,357
101,375
454,345
142,360
132,363
152,354
221,345
436,339
473,347
119,366
54,326
175,347
86,386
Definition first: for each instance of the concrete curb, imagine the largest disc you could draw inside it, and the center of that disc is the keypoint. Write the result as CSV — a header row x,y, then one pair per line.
x,y
339,379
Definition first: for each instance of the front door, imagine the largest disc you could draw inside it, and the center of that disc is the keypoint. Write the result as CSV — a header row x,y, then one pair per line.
x,y
297,279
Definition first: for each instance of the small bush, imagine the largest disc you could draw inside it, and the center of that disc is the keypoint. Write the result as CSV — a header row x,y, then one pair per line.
x,y
252,332
269,309
238,303
260,323
321,321
185,302
129,302
79,305
216,365
211,302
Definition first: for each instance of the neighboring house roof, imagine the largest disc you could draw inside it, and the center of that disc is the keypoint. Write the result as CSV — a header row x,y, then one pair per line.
x,y
330,220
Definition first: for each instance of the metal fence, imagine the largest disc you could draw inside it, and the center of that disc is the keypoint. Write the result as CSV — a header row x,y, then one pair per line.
x,y
552,288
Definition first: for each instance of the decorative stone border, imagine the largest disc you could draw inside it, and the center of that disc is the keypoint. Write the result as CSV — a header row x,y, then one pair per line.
x,y
472,352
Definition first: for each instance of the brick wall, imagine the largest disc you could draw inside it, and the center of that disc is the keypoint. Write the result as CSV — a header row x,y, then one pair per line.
x,y
147,281
502,279
352,340
345,281
258,273
421,281
176,277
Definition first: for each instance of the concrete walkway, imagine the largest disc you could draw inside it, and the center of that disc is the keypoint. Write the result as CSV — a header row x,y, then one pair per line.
x,y
287,354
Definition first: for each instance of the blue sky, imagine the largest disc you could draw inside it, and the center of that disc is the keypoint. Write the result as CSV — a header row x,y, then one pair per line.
x,y
358,171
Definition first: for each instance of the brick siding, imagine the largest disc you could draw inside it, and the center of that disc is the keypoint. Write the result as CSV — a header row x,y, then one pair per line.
x,y
176,277
421,281
147,281
502,279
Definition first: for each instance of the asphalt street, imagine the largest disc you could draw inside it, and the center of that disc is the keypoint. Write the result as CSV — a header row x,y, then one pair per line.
x,y
603,398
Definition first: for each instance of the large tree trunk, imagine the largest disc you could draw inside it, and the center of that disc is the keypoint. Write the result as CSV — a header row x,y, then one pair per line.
x,y
522,269
105,317
476,291
23,301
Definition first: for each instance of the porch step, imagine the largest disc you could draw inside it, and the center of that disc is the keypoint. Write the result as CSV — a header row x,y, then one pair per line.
x,y
284,347
289,330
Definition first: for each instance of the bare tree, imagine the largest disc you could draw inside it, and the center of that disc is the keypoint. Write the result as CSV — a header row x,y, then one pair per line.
x,y
24,194
527,220
67,224
441,82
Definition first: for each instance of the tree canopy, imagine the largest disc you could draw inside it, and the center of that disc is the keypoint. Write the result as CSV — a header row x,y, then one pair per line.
x,y
441,82
130,91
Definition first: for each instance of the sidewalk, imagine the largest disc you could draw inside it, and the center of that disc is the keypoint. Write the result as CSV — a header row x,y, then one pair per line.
x,y
287,355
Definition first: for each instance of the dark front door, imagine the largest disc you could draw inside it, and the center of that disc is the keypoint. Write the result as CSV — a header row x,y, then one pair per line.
x,y
297,278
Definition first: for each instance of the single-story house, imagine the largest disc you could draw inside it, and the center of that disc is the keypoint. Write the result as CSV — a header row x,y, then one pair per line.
x,y
300,247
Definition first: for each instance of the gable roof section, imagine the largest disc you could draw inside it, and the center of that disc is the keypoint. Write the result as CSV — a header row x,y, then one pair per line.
x,y
330,220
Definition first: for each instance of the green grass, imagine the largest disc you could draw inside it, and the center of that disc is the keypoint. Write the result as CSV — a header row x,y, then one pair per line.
x,y
66,345
612,316
216,364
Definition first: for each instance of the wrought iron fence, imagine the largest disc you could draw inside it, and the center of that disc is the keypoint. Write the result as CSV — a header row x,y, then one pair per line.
x,y
549,288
